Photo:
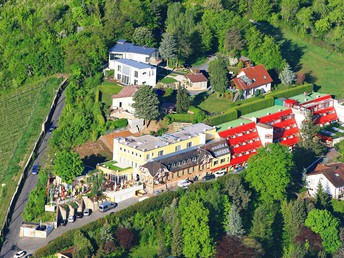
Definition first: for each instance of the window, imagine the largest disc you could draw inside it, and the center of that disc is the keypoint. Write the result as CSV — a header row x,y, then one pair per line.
x,y
112,56
143,83
136,74
147,59
136,82
148,156
143,73
189,144
216,162
160,153
222,160
118,77
177,148
119,68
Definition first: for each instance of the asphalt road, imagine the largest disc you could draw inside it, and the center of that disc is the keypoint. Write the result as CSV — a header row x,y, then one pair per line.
x,y
33,244
10,246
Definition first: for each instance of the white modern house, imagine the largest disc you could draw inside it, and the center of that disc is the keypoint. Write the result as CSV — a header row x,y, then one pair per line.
x,y
131,72
126,50
253,79
331,178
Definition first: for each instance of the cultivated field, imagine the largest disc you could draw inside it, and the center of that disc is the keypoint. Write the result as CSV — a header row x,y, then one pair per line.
x,y
326,67
22,113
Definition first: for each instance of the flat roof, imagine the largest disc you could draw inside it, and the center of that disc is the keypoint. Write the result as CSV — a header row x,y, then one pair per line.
x,y
265,111
301,98
149,142
232,124
134,63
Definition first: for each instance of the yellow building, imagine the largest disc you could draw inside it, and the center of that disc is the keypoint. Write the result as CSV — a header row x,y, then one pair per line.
x,y
136,151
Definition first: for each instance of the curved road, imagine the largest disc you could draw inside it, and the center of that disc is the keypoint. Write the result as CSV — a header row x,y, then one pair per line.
x,y
10,247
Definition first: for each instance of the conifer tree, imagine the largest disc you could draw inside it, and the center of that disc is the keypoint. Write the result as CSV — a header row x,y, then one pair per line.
x,y
234,226
183,101
287,76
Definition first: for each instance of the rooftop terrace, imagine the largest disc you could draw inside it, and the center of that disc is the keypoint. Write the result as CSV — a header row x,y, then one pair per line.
x,y
149,142
265,111
301,98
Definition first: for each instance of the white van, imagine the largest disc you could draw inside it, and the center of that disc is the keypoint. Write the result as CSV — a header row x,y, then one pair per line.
x,y
105,206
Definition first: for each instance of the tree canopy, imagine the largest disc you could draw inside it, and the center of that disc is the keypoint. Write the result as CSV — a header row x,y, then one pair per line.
x,y
146,103
68,165
269,172
218,75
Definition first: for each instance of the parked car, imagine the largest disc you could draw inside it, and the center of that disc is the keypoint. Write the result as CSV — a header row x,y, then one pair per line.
x,y
51,128
87,212
208,177
20,254
79,215
220,173
35,169
238,169
105,206
184,183
63,222
71,218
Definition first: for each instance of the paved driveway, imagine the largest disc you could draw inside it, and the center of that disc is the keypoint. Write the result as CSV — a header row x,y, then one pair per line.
x,y
32,244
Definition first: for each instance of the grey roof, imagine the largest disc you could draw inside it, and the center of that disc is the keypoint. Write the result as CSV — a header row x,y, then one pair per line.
x,y
149,142
125,47
217,147
135,64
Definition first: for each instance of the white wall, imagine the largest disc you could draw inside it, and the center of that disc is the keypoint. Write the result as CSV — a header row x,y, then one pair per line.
x,y
199,85
126,104
146,76
263,132
339,110
313,181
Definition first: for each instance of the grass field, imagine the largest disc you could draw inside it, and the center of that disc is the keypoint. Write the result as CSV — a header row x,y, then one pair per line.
x,y
107,89
22,113
222,104
168,80
325,67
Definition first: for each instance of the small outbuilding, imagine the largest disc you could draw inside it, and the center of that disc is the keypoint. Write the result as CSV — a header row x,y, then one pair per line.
x,y
197,81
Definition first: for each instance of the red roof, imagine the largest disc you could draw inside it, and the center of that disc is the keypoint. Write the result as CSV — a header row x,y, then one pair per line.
x,y
257,74
237,129
274,116
126,92
197,77
290,141
327,118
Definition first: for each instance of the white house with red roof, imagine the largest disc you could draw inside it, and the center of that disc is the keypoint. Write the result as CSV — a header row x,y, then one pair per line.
x,y
252,80
124,99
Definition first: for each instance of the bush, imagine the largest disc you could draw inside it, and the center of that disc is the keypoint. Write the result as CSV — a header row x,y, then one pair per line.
x,y
222,118
186,118
255,106
292,91
118,123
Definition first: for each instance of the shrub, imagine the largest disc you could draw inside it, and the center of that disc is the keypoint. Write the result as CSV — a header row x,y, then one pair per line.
x,y
222,118
292,91
125,237
255,106
97,97
187,118
118,123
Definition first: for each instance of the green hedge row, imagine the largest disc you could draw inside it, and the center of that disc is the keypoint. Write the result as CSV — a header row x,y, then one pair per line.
x,y
97,97
255,106
66,240
292,91
222,118
186,118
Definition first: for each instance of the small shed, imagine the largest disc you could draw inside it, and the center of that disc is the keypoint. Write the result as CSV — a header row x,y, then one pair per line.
x,y
197,81
246,61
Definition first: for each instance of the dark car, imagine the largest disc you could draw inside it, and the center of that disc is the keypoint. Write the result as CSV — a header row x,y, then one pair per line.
x,y
63,222
79,215
51,128
35,169
208,177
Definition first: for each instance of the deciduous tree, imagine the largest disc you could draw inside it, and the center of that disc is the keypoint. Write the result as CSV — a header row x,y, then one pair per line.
x,y
82,245
143,36
68,165
231,246
269,170
146,103
326,225
239,196
125,237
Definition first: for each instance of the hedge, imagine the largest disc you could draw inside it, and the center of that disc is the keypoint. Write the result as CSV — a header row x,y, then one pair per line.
x,y
292,91
187,118
66,240
222,118
255,106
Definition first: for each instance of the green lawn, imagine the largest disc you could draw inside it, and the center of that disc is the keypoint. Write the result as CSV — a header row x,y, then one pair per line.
x,y
107,89
201,60
214,104
325,67
22,113
112,166
168,80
